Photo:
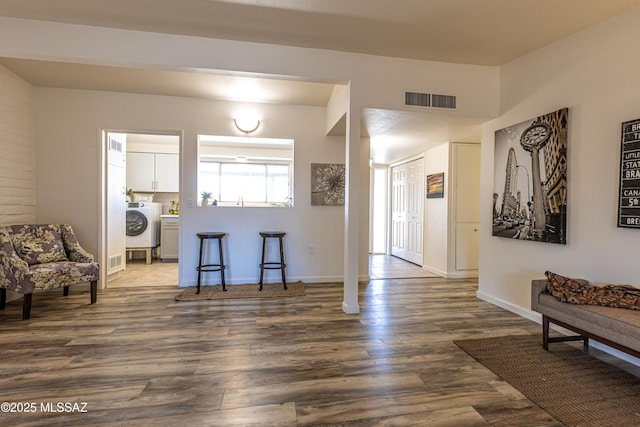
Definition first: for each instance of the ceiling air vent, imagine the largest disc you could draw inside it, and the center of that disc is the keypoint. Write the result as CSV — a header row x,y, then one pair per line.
x,y
443,101
429,100
418,99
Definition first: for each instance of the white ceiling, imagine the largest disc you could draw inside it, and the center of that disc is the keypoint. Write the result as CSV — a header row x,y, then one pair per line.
x,y
487,32
168,82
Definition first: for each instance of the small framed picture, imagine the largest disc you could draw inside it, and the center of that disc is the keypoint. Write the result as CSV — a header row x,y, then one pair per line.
x,y
435,186
327,184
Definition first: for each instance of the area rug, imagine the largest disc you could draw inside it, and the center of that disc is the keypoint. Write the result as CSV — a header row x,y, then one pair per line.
x,y
574,387
269,290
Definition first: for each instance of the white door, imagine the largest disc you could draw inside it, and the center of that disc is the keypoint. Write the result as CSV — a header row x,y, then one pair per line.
x,y
399,211
116,208
467,209
467,246
407,231
415,208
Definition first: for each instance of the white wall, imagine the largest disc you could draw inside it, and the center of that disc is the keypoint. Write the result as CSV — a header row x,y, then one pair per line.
x,y
374,82
436,214
595,74
70,185
145,143
17,150
304,224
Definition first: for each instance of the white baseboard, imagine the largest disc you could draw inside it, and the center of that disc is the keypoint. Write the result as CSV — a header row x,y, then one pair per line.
x,y
529,314
434,270
465,274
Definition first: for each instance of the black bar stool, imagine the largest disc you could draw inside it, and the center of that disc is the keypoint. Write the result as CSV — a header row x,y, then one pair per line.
x,y
206,268
272,265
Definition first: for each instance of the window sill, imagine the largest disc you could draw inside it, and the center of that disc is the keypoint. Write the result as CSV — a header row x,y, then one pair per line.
x,y
249,205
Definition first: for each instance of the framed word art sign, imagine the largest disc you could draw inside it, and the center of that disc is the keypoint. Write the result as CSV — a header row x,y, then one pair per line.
x,y
629,198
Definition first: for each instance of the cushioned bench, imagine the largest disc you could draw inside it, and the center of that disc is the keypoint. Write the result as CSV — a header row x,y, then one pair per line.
x,y
39,257
616,327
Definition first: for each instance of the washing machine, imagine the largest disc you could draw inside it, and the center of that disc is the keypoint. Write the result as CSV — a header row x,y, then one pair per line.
x,y
143,224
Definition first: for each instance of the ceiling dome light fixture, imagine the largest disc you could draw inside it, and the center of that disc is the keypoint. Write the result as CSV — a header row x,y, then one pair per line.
x,y
246,124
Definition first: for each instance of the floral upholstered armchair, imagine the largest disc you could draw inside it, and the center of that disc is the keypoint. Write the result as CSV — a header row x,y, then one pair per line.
x,y
39,257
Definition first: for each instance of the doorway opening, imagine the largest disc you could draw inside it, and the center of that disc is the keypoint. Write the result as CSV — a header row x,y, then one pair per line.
x,y
379,210
382,264
141,187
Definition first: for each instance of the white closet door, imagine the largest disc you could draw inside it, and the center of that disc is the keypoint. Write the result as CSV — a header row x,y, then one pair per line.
x,y
399,211
467,206
415,209
407,213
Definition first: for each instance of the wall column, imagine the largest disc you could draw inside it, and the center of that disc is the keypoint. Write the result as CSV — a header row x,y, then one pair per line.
x,y
351,207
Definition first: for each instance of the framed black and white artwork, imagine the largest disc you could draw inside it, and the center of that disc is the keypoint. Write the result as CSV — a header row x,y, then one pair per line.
x,y
629,196
530,179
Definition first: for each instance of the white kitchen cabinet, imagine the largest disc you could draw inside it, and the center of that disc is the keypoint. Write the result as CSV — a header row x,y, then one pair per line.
x,y
140,171
167,172
153,172
169,238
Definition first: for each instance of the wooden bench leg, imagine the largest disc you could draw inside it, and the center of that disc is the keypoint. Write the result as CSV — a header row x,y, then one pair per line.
x,y
94,292
3,298
26,306
546,339
545,332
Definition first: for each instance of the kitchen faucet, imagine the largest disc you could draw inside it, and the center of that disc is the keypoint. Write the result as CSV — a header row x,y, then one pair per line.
x,y
240,201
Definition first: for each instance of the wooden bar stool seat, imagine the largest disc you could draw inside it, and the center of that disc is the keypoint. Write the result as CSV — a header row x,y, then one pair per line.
x,y
272,265
208,268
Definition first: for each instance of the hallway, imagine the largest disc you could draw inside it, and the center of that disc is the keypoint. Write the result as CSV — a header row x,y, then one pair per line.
x,y
390,267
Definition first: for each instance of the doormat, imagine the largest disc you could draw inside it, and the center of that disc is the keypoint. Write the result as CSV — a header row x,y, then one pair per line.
x,y
576,388
269,290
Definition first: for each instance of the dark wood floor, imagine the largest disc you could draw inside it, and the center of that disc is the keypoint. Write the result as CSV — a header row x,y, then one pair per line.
x,y
138,358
